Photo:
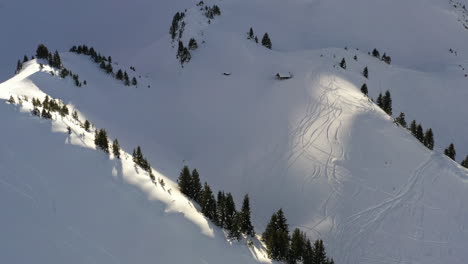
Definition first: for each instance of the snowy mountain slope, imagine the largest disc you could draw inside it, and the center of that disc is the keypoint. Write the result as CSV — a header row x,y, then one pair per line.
x,y
62,201
313,145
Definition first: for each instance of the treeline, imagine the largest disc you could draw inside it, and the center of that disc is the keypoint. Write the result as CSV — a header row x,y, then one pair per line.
x,y
426,137
266,41
105,63
223,213
385,58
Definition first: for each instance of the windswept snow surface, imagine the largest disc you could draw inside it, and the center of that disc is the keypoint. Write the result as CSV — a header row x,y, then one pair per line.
x,y
313,145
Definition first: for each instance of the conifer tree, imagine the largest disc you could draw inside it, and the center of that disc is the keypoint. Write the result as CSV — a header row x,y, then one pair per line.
x,y
19,67
429,139
376,53
192,44
25,59
184,181
126,79
464,163
245,222
208,204
320,256
298,247
195,187
46,114
64,110
308,253
230,209
101,141
42,52
380,101
420,133
266,41
364,89
413,128
221,209
116,148
75,115
119,75
343,63
365,72
134,81
401,120
251,34
86,126
276,237
11,100
387,103
450,151
256,39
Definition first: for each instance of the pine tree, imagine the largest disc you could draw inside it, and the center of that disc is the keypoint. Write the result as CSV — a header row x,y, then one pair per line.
x,y
221,209
256,39
25,59
401,120
138,156
126,79
119,75
364,89
464,163
450,151
308,253
376,53
11,100
320,256
380,101
101,141
276,237
192,44
230,208
420,133
266,41
195,187
251,34
75,115
64,110
343,63
208,204
387,103
56,61
429,139
413,128
184,181
116,148
365,72
245,222
46,114
42,52
134,81
86,126
298,247
19,67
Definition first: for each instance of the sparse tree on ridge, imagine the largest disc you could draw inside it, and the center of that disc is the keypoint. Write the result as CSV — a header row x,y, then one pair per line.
x,y
266,41
365,72
401,120
343,63
364,89
450,151
116,148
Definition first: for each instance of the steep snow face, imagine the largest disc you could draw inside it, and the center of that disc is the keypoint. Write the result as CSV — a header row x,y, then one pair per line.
x,y
314,145
63,201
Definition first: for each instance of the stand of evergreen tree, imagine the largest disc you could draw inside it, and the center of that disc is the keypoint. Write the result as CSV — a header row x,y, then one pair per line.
x,y
116,148
141,161
276,237
450,151
386,59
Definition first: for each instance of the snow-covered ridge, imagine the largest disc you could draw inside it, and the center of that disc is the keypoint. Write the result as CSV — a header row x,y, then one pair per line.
x,y
123,172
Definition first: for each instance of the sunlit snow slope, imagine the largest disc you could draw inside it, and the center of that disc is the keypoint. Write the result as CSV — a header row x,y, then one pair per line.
x,y
313,145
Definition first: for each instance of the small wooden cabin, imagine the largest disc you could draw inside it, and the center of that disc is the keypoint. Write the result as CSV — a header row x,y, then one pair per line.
x,y
283,76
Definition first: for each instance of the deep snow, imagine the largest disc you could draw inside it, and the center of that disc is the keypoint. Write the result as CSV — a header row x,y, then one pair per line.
x,y
314,145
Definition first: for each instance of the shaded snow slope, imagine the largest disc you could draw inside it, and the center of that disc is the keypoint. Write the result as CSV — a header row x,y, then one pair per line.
x,y
63,201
